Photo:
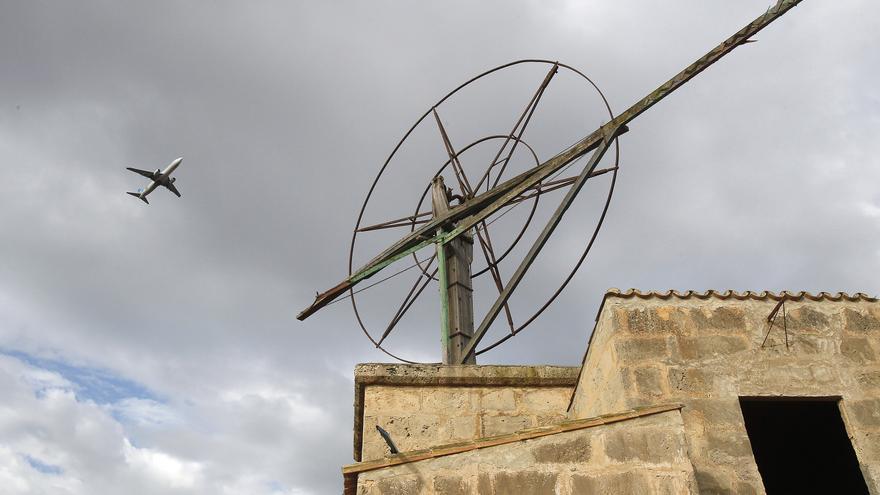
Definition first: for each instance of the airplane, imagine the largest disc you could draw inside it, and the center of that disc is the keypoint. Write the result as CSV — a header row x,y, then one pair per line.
x,y
159,178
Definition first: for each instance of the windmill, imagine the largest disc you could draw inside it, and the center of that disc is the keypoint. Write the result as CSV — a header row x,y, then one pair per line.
x,y
452,230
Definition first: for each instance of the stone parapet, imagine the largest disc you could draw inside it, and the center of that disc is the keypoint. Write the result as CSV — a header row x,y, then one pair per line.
x,y
426,405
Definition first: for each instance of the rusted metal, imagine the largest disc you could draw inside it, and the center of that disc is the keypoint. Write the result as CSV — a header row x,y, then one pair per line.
x,y
551,186
539,243
576,266
481,206
519,236
492,265
531,213
399,222
408,301
524,119
453,157
771,319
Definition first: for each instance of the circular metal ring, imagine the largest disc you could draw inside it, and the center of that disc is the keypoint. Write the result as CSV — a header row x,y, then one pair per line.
x,y
397,147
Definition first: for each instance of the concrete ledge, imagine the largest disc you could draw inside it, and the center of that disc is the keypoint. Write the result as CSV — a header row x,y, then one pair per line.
x,y
402,375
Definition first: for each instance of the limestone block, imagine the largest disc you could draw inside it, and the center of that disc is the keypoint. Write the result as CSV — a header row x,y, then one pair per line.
x,y
689,381
870,379
414,432
451,400
714,483
654,320
575,450
857,349
824,373
498,400
860,322
647,444
639,349
729,318
611,484
733,444
450,485
717,411
869,442
551,419
484,484
865,412
545,400
706,346
649,381
525,482
387,400
807,344
746,488
500,425
463,428
398,485
679,484
805,319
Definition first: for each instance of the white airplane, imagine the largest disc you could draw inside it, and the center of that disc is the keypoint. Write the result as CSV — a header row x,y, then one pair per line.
x,y
159,178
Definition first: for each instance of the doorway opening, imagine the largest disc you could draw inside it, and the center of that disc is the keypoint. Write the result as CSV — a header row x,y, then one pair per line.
x,y
801,445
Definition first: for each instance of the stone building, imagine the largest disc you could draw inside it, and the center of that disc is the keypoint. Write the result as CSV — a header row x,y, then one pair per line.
x,y
678,393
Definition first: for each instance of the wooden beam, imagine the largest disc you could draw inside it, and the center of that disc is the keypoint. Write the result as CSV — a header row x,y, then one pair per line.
x,y
483,205
456,293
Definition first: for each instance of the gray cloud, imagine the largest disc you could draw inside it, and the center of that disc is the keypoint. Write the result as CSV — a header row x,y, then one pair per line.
x,y
759,174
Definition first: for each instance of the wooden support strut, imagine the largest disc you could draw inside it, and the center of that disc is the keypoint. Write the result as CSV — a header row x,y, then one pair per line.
x,y
466,215
538,244
456,294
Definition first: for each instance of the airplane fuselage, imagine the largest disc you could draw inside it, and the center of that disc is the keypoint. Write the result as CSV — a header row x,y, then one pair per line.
x,y
158,178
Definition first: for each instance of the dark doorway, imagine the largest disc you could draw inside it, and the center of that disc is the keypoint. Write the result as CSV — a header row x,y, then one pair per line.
x,y
801,446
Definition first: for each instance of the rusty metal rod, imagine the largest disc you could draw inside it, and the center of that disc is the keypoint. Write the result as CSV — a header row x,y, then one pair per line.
x,y
536,248
483,205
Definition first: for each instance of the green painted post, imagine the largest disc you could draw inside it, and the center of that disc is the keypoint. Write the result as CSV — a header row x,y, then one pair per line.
x,y
444,299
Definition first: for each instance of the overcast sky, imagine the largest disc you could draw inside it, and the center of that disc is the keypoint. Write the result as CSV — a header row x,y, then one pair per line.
x,y
154,349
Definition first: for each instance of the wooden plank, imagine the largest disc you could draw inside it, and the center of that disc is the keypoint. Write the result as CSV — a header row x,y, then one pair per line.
x,y
536,248
481,206
485,442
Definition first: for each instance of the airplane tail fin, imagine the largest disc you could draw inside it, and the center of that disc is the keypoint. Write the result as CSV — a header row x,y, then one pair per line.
x,y
138,195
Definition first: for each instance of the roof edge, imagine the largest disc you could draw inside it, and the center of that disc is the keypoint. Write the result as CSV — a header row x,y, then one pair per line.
x,y
732,294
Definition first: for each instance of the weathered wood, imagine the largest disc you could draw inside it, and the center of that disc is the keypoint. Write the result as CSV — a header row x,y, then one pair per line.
x,y
456,293
460,253
537,246
479,207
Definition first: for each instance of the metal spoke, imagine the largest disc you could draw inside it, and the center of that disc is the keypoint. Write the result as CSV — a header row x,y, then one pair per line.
x,y
410,299
546,187
539,244
398,222
489,255
453,157
525,116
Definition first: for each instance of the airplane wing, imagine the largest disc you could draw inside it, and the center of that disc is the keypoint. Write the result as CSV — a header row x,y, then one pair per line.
x,y
146,174
173,189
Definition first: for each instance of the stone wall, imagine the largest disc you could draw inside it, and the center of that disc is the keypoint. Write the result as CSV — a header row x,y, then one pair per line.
x,y
706,352
422,406
646,454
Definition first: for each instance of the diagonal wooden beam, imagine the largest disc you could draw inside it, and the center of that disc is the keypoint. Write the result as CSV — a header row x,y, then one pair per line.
x,y
539,243
483,205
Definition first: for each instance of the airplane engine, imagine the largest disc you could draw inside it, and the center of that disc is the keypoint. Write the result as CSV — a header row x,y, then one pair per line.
x,y
158,171
173,179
